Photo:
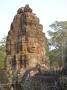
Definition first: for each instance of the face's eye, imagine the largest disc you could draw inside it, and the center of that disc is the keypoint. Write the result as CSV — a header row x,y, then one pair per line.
x,y
37,44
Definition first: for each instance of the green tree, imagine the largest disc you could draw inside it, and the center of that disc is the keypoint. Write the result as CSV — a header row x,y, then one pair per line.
x,y
58,40
2,52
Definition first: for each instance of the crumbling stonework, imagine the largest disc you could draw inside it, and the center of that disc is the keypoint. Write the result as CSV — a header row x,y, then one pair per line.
x,y
25,44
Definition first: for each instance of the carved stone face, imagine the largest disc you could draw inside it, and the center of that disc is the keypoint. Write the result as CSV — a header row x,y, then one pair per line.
x,y
32,45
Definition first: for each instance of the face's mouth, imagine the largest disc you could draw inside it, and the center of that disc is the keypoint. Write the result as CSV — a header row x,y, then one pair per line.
x,y
33,47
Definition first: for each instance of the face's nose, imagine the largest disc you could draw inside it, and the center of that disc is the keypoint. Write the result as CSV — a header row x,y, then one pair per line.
x,y
33,45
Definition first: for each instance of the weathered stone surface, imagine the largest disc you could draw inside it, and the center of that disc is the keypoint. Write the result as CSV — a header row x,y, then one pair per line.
x,y
25,45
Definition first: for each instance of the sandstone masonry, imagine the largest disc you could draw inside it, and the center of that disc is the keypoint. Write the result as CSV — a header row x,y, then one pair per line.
x,y
25,44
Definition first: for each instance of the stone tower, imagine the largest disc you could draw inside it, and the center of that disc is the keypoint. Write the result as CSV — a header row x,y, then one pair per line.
x,y
25,44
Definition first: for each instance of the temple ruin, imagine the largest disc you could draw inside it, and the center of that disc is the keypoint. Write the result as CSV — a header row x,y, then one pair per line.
x,y
25,45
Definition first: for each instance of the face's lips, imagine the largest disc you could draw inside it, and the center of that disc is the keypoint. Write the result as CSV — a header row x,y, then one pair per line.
x,y
33,47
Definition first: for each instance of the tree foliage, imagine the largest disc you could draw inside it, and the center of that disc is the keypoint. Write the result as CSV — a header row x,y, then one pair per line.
x,y
58,42
2,52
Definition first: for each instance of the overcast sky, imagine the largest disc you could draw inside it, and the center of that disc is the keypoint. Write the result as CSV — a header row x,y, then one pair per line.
x,y
47,10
